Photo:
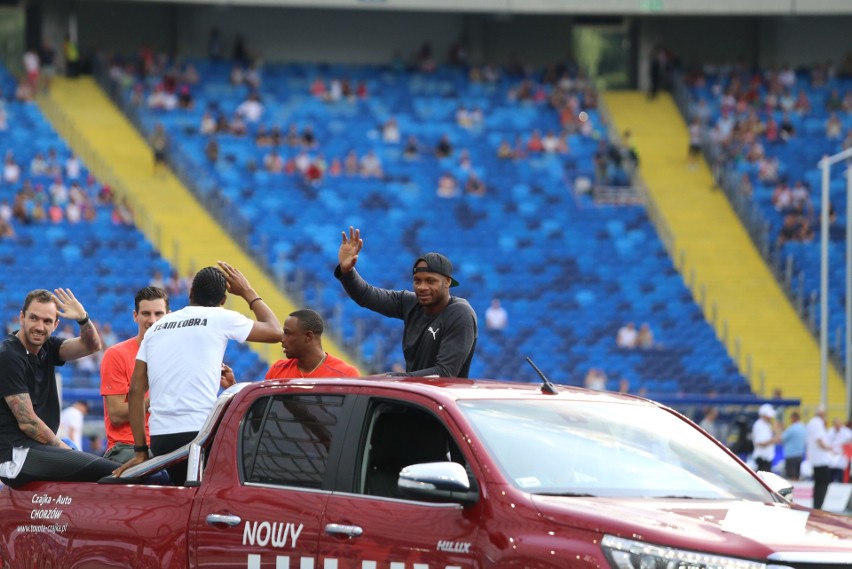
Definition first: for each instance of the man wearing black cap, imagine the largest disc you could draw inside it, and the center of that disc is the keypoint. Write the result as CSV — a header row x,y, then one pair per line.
x,y
439,334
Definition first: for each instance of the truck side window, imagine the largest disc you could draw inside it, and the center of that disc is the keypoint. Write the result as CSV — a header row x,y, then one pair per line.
x,y
400,436
286,439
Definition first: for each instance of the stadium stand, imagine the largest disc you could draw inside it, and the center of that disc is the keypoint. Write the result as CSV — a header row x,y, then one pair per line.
x,y
741,297
776,169
555,257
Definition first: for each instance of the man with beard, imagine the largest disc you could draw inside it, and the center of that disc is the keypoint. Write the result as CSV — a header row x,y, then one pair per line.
x,y
29,411
439,331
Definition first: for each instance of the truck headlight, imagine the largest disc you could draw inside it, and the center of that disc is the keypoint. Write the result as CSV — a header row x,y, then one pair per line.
x,y
628,554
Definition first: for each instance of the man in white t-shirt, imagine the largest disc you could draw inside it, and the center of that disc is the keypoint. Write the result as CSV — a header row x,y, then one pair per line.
x,y
764,437
180,362
251,109
627,336
71,422
819,455
839,435
496,317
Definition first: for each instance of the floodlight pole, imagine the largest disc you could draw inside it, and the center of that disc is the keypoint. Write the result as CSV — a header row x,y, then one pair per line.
x,y
848,337
823,283
826,164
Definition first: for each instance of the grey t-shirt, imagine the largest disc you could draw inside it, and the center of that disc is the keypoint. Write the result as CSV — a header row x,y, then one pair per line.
x,y
433,344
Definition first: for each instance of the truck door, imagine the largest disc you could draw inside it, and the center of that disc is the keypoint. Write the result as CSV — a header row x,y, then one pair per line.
x,y
266,487
374,525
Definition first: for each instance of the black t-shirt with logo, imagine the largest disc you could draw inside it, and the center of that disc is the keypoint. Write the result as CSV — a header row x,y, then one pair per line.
x,y
22,372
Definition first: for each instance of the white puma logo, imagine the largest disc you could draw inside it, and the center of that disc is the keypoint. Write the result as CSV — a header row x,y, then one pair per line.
x,y
434,332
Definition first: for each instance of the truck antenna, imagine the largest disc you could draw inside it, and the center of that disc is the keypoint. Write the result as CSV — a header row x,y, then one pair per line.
x,y
547,386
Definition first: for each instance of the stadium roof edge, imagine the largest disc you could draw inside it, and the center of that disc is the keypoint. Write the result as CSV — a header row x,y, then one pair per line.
x,y
573,7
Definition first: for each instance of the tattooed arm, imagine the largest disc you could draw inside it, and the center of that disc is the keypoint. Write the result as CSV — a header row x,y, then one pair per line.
x,y
29,423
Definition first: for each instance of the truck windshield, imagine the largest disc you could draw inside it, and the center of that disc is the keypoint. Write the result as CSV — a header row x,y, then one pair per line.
x,y
583,448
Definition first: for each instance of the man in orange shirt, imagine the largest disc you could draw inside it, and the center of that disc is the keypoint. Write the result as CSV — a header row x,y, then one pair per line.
x,y
302,345
151,304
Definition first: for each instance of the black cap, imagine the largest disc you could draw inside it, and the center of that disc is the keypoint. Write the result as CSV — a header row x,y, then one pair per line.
x,y
435,263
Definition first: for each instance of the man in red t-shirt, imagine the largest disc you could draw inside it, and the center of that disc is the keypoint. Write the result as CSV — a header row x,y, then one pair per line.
x,y
151,304
302,345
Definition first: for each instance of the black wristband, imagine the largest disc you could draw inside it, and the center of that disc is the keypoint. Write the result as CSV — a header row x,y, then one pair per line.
x,y
253,301
140,448
84,320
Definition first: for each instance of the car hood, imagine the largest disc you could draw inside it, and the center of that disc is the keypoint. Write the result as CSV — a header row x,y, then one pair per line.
x,y
726,527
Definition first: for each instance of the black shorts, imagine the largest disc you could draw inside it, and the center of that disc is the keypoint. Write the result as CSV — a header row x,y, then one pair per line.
x,y
164,444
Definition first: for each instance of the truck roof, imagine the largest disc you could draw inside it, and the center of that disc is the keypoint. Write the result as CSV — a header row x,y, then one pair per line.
x,y
461,389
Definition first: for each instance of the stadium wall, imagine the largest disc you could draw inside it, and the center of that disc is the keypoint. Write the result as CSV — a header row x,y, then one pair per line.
x,y
370,36
347,36
588,7
760,41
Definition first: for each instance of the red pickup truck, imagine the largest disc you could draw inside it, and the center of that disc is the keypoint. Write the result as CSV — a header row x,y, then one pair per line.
x,y
428,474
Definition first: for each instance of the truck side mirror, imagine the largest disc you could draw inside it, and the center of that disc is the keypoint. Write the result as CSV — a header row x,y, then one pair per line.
x,y
437,481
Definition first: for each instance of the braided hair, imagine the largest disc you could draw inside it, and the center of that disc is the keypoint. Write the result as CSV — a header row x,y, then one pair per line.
x,y
208,287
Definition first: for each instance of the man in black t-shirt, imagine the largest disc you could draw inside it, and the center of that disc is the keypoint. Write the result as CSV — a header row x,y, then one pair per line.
x,y
29,410
440,331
